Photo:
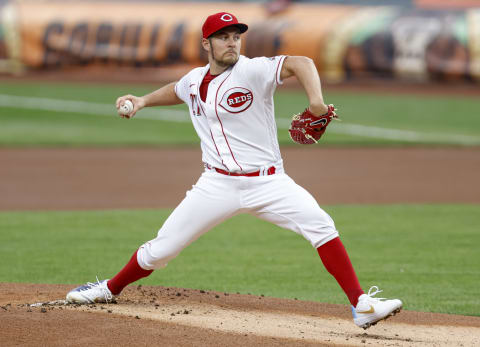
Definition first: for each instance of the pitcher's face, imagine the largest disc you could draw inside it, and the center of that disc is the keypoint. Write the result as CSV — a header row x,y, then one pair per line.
x,y
224,47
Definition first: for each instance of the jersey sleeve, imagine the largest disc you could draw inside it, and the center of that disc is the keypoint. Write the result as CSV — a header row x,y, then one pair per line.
x,y
182,88
267,70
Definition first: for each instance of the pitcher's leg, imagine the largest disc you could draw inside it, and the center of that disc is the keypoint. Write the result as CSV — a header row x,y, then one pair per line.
x,y
195,215
130,273
292,207
337,262
281,201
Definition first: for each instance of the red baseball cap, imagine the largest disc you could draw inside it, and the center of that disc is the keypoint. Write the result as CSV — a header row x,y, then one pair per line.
x,y
220,20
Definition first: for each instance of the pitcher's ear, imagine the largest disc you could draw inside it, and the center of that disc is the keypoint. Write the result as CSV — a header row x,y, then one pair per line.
x,y
206,44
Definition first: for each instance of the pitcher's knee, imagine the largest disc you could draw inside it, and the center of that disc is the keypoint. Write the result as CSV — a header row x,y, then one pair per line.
x,y
154,255
321,236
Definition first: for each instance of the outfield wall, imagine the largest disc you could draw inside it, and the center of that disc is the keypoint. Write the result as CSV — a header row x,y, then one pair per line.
x,y
345,41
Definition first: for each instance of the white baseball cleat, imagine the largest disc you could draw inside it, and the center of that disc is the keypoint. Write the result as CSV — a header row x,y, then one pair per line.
x,y
370,310
91,293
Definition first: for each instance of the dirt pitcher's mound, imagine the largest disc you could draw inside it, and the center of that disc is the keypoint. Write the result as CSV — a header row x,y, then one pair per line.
x,y
186,317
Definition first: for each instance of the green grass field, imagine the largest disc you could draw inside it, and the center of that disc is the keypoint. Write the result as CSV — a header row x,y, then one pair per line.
x,y
425,255
367,119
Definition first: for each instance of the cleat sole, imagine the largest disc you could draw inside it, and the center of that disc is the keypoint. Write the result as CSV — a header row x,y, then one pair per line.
x,y
393,313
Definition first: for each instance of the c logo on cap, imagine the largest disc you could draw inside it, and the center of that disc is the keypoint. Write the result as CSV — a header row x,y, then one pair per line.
x,y
226,17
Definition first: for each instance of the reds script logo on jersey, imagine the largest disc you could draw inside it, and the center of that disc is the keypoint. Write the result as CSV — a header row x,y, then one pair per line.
x,y
236,100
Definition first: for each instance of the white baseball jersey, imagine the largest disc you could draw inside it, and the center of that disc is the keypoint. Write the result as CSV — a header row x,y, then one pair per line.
x,y
236,123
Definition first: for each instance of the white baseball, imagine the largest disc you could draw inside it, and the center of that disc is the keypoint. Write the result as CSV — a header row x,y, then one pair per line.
x,y
126,108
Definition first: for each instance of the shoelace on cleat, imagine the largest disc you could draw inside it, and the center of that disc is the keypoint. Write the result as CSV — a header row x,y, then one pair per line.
x,y
374,290
106,293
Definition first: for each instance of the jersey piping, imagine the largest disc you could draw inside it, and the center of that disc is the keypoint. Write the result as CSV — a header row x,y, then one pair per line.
x,y
277,72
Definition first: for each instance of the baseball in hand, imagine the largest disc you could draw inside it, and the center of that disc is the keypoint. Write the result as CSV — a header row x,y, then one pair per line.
x,y
126,108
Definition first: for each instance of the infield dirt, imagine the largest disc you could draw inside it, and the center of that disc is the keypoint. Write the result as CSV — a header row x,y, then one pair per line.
x,y
40,179
72,179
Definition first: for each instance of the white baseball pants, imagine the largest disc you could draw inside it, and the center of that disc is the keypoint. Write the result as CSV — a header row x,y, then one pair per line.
x,y
216,197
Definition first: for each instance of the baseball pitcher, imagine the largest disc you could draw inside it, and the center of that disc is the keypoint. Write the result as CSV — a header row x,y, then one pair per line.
x,y
231,107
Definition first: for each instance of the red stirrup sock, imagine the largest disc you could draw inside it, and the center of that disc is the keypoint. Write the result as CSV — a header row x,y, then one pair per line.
x,y
130,273
336,261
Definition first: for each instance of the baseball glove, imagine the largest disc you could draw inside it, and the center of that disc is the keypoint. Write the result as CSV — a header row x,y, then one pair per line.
x,y
306,128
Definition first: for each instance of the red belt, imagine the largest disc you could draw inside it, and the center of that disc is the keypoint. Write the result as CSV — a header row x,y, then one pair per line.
x,y
270,171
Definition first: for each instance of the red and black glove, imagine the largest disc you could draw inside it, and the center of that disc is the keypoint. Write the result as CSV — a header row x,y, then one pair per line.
x,y
306,128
